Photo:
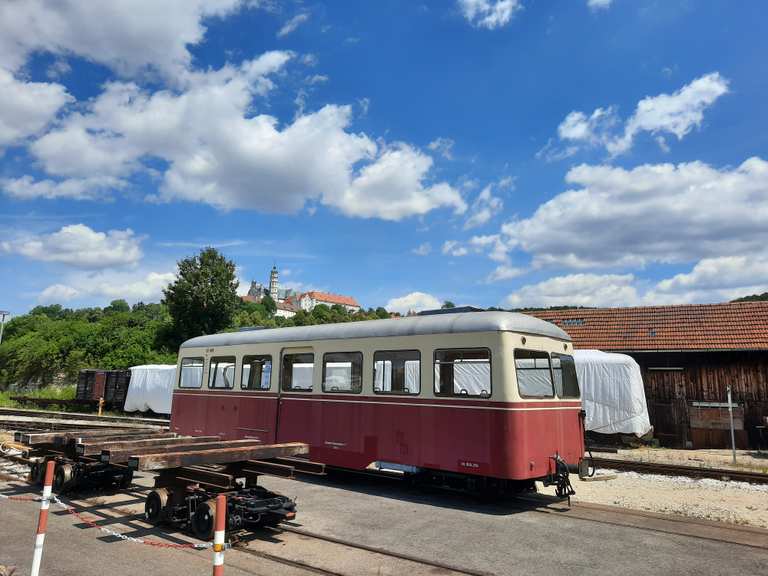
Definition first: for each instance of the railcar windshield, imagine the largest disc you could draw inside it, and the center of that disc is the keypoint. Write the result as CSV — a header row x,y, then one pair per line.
x,y
534,376
564,372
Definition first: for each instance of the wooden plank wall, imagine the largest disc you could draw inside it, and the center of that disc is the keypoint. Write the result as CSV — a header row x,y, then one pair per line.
x,y
704,378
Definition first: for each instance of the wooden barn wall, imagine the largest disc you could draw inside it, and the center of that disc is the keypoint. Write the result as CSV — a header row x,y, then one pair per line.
x,y
704,377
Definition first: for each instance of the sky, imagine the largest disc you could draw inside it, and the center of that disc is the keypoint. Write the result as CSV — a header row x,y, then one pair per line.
x,y
489,152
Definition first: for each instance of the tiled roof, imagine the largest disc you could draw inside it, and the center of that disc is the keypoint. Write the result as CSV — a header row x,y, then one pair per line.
x,y
730,326
249,298
333,298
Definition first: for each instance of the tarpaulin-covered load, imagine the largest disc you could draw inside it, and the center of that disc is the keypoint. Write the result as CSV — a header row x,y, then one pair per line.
x,y
151,388
612,393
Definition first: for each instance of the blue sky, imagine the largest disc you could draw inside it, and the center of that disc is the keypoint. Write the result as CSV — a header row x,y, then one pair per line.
x,y
490,152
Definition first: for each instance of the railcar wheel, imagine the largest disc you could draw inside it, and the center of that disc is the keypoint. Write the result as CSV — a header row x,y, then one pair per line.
x,y
155,506
36,473
204,520
62,477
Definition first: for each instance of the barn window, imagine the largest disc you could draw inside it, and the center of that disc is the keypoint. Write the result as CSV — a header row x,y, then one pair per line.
x,y
564,372
191,373
221,372
257,373
297,371
534,377
397,372
343,372
463,372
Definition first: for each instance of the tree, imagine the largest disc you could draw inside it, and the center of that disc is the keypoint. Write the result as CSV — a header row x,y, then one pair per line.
x,y
269,305
117,306
203,299
448,304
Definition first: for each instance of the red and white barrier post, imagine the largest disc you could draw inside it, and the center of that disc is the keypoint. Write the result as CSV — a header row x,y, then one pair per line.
x,y
42,521
218,535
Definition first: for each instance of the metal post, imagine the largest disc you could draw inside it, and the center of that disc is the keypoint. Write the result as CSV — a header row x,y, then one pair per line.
x,y
218,535
733,435
3,314
42,521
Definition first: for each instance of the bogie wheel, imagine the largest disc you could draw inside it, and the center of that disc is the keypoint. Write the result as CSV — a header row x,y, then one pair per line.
x,y
62,477
204,520
155,506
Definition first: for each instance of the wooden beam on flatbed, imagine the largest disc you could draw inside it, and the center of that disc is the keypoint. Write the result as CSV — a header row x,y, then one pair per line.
x,y
64,436
174,445
94,447
219,455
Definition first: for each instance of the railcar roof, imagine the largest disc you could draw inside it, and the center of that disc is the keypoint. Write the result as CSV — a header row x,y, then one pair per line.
x,y
410,326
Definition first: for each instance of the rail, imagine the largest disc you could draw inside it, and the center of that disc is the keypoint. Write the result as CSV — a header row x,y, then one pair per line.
x,y
681,470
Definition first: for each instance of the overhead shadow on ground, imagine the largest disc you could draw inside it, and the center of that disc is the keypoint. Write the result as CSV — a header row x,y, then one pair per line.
x,y
373,484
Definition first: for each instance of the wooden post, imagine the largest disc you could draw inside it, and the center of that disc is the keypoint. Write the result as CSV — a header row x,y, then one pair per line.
x,y
101,405
42,521
218,535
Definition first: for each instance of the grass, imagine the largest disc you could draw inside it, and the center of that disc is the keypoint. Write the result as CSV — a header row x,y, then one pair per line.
x,y
50,392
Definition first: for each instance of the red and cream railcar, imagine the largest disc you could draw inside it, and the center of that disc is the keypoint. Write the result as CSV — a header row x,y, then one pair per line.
x,y
490,394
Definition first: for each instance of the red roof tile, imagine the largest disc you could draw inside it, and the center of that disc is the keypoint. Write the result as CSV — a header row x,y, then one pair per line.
x,y
729,326
333,298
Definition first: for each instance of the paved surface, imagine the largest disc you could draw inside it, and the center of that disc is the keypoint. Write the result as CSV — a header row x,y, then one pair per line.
x,y
454,529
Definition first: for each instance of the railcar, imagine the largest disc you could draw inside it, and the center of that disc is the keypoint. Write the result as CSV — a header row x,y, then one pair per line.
x,y
490,397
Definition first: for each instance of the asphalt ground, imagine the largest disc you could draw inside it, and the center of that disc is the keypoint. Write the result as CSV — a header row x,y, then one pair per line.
x,y
497,538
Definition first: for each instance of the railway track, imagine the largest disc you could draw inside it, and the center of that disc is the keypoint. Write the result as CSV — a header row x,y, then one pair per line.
x,y
65,416
680,470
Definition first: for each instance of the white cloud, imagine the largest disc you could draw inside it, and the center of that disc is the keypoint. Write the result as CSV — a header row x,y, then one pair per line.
x,y
454,248
653,213
317,79
226,149
102,287
80,246
444,146
413,302
485,207
27,188
599,4
130,36
423,249
292,24
676,114
577,290
27,107
489,14
505,272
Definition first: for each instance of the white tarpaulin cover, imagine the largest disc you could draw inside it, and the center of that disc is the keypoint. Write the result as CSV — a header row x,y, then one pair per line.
x,y
151,388
612,393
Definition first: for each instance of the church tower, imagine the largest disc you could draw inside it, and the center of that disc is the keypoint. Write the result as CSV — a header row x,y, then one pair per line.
x,y
273,283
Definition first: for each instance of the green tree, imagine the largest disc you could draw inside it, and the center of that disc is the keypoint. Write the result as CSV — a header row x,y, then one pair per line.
x,y
269,304
203,299
448,304
117,306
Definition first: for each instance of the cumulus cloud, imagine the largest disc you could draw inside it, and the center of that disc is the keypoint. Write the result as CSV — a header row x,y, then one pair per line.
x,y
443,146
489,14
292,24
27,188
661,213
485,207
413,302
674,114
102,287
132,36
226,150
505,272
577,290
454,248
27,107
423,249
599,4
80,246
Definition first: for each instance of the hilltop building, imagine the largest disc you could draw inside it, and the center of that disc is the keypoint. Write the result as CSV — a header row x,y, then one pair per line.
x,y
289,302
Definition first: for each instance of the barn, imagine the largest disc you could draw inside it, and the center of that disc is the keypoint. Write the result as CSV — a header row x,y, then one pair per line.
x,y
689,355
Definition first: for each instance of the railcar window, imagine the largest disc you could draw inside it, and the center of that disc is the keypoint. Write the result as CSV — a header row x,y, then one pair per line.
x,y
257,373
463,372
564,372
297,371
343,372
221,372
191,373
397,372
534,377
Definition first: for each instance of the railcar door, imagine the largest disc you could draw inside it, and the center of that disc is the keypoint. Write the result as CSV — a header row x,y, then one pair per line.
x,y
296,415
258,399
